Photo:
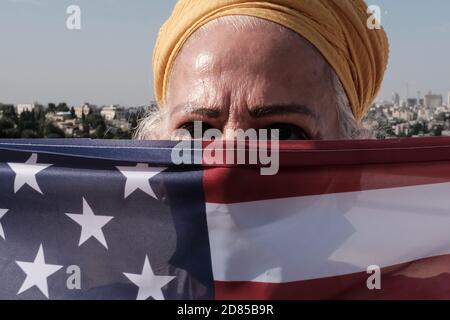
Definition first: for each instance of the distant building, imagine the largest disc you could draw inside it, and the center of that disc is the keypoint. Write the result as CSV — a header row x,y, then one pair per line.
x,y
63,114
423,114
113,113
58,116
84,109
396,98
21,108
433,101
412,102
448,99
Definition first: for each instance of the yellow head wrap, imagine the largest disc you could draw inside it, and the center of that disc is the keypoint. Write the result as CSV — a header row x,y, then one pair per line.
x,y
337,28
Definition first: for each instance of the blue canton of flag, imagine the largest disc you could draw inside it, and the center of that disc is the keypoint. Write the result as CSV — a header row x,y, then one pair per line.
x,y
101,226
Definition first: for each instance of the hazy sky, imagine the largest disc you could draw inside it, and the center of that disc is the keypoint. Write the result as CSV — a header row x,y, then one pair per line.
x,y
109,60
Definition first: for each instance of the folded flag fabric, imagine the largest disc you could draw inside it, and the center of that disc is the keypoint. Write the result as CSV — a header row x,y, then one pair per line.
x,y
84,219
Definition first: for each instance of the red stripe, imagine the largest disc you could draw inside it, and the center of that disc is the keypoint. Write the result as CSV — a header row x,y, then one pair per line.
x,y
324,167
317,153
315,168
424,279
233,185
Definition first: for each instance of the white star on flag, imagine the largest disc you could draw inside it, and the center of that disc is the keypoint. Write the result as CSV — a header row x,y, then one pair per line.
x,y
139,178
91,225
149,284
2,213
37,273
26,173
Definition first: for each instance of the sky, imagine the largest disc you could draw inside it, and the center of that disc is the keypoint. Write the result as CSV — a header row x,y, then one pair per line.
x,y
108,61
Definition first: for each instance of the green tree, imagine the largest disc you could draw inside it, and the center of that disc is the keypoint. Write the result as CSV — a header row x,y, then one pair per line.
x,y
9,112
29,134
41,123
51,131
72,113
86,127
28,125
62,107
51,107
8,128
133,121
100,131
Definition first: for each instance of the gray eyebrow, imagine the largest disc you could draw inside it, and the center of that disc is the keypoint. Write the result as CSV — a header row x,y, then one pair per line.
x,y
198,110
206,112
283,109
257,112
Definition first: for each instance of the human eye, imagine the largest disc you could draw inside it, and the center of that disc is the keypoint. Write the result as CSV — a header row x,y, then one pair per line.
x,y
190,127
288,131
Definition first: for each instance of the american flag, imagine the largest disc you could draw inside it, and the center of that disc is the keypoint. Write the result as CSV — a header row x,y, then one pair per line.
x,y
83,219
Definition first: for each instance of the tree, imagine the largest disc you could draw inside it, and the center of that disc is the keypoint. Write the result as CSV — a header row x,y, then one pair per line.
x,y
85,125
419,128
8,128
120,134
437,131
62,107
29,134
133,121
51,107
51,131
100,131
38,124
28,122
41,123
72,113
10,112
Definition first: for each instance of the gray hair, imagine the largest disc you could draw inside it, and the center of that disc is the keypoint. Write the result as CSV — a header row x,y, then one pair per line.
x,y
153,124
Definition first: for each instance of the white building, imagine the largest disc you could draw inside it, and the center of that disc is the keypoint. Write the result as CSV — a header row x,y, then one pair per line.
x,y
396,98
433,101
424,114
21,108
113,112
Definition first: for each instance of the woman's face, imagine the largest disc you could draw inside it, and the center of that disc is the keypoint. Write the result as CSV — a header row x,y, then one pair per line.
x,y
261,78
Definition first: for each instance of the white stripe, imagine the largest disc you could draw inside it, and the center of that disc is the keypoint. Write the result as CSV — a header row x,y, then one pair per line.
x,y
294,239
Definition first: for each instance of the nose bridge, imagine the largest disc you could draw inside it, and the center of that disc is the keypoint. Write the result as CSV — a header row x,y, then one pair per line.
x,y
238,120
229,133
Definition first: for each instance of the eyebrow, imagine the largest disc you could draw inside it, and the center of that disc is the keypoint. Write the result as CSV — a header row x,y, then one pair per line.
x,y
283,109
256,112
206,112
197,110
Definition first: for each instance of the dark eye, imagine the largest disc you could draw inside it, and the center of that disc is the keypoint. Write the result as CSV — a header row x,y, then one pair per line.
x,y
289,132
190,127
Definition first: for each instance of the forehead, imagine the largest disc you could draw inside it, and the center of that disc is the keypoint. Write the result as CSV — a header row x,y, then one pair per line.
x,y
253,64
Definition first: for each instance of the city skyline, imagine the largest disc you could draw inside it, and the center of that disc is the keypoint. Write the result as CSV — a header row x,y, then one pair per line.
x,y
395,97
108,62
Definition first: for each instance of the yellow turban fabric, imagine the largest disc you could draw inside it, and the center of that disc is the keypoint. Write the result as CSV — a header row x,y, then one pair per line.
x,y
337,28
